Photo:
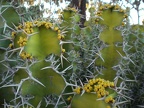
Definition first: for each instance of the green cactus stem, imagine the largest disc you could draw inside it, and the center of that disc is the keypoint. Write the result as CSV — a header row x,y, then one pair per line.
x,y
39,45
112,52
35,36
108,56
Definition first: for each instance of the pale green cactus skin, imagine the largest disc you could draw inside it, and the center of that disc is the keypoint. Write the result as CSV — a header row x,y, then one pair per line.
x,y
111,54
78,101
39,76
108,56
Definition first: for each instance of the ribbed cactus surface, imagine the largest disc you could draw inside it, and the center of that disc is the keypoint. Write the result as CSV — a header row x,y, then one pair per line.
x,y
108,56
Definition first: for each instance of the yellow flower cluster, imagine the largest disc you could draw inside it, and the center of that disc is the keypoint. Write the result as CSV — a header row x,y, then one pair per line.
x,y
109,99
25,55
88,88
22,41
117,7
28,27
60,36
43,23
105,6
99,86
10,45
77,90
47,24
99,13
13,34
69,98
125,16
96,85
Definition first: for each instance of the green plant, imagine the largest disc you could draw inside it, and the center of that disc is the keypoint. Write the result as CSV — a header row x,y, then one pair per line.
x,y
57,64
114,60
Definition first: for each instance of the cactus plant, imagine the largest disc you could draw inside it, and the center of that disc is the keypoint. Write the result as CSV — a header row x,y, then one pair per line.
x,y
112,60
40,67
34,57
51,64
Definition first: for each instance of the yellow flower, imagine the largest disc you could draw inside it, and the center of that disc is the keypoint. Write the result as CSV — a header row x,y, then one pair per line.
x,y
11,45
59,37
13,34
25,55
123,24
22,41
108,107
99,95
109,99
125,16
117,7
63,50
112,84
56,28
121,10
77,90
69,98
91,81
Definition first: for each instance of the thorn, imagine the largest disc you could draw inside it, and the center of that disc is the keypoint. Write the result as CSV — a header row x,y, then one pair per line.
x,y
39,105
99,54
20,84
102,98
118,103
69,67
48,67
63,42
34,79
14,49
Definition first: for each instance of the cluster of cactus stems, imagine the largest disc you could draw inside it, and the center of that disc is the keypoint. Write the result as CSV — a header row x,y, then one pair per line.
x,y
46,64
